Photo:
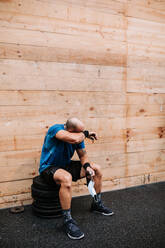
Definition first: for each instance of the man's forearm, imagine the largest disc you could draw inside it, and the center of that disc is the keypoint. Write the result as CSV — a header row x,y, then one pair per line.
x,y
83,156
76,138
72,138
84,159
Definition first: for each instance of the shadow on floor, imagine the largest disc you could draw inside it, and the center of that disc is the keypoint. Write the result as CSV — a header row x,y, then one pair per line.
x,y
139,221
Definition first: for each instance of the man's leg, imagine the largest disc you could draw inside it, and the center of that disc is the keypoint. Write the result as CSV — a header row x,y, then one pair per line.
x,y
97,178
97,204
64,178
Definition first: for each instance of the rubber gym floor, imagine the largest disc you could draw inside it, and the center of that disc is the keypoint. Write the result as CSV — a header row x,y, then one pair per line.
x,y
139,221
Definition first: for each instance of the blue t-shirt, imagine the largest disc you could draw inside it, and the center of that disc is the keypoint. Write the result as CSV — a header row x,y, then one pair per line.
x,y
57,152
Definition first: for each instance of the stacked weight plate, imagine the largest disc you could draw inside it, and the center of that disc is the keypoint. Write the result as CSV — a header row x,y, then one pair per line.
x,y
46,202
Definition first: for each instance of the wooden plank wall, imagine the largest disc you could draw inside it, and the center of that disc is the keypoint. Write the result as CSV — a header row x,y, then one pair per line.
x,y
100,60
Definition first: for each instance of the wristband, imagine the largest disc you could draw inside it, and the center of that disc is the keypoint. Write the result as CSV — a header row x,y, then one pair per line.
x,y
86,165
86,133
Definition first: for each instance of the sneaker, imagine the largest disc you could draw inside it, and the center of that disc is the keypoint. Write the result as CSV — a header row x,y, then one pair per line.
x,y
72,230
100,208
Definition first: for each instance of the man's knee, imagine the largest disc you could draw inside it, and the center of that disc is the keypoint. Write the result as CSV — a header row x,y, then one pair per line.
x,y
63,177
66,180
97,170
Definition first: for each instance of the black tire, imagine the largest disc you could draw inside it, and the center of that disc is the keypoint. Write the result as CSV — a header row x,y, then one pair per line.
x,y
46,206
40,183
47,216
44,193
47,203
45,200
47,211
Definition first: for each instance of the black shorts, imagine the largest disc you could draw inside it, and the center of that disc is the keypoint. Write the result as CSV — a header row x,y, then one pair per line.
x,y
74,168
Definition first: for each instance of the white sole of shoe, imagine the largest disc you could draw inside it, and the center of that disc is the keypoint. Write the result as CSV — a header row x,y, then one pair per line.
x,y
103,213
71,237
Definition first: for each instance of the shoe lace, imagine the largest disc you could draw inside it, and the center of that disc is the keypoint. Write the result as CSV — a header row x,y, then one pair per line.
x,y
72,225
101,205
71,222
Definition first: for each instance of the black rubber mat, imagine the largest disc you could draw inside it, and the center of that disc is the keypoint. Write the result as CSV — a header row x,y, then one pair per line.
x,y
139,221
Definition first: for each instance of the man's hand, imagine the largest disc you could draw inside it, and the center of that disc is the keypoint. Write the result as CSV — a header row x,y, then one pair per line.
x,y
90,172
92,136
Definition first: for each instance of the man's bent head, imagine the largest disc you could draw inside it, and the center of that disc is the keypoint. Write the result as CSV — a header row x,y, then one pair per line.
x,y
74,125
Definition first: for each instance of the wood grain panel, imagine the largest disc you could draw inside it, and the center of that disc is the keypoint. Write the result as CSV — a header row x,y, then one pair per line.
x,y
46,9
142,55
145,13
147,157
146,110
114,56
94,12
77,109
19,143
122,172
15,200
103,5
143,98
45,71
20,158
142,134
134,159
18,172
142,179
144,38
62,83
146,74
53,69
150,34
51,25
58,40
145,78
154,4
115,160
146,27
146,145
74,46
15,187
46,98
145,122
144,86
106,149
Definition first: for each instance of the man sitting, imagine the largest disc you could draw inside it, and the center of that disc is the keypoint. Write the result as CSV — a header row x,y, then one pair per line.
x,y
56,166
